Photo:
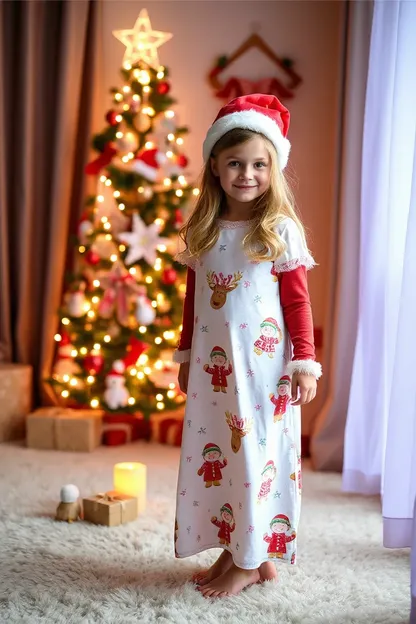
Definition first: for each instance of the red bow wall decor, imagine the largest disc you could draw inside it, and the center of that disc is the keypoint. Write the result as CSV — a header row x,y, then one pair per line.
x,y
236,87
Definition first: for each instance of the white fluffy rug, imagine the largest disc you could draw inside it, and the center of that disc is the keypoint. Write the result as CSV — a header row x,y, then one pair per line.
x,y
71,574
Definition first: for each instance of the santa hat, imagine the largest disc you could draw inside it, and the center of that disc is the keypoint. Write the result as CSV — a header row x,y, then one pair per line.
x,y
209,448
270,322
218,351
280,518
147,163
227,507
284,380
268,466
258,112
117,369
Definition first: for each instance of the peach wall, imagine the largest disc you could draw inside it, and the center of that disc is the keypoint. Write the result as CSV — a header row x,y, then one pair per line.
x,y
308,32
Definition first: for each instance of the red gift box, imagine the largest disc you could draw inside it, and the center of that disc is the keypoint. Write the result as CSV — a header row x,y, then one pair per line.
x,y
124,428
167,427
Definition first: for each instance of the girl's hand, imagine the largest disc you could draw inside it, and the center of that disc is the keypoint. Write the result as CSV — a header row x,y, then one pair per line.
x,y
305,386
183,377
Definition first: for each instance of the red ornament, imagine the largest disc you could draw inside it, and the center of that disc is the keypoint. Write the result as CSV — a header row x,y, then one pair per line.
x,y
182,161
92,258
93,363
169,276
178,218
111,118
163,87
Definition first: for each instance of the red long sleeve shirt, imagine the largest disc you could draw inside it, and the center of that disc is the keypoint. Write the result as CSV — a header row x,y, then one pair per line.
x,y
296,305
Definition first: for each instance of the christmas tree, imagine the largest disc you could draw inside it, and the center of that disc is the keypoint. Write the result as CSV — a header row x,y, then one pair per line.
x,y
121,315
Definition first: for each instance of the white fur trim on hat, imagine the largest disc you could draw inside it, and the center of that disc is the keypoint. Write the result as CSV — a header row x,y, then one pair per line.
x,y
304,367
250,120
147,171
180,357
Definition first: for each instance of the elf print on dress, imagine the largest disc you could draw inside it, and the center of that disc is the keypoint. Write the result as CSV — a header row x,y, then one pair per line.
x,y
212,466
278,539
268,476
221,286
240,427
299,475
283,399
218,369
271,335
226,525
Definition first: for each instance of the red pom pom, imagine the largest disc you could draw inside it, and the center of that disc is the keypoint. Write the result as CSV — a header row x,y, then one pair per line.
x,y
91,257
111,117
182,161
93,364
163,88
169,276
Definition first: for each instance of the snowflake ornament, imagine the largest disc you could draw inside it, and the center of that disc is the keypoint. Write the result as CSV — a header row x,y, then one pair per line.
x,y
143,241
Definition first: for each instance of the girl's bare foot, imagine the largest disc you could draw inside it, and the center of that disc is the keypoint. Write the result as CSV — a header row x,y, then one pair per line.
x,y
268,572
222,564
230,583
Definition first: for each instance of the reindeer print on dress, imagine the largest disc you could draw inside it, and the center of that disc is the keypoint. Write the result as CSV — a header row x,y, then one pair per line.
x,y
271,335
221,286
218,370
240,427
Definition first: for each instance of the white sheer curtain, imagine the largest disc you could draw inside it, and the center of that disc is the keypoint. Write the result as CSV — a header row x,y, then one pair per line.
x,y
380,435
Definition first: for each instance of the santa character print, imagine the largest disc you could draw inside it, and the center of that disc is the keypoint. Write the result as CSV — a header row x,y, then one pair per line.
x,y
283,397
271,335
226,525
212,466
219,370
279,526
268,476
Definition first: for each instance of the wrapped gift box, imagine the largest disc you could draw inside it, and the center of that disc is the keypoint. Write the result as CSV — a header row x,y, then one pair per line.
x,y
167,427
110,509
64,429
124,428
15,400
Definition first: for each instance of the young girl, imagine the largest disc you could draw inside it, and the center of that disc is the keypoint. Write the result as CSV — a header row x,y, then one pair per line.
x,y
247,322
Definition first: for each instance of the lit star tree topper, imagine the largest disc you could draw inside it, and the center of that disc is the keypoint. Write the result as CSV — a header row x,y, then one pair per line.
x,y
143,241
142,42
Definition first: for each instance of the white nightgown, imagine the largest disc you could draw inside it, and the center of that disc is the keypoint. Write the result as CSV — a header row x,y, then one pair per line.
x,y
239,481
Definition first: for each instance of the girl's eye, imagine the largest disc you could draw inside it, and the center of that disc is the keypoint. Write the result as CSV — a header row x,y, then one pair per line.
x,y
234,163
259,165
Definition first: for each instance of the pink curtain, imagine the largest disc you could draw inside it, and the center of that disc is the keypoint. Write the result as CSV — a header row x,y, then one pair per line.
x,y
380,435
327,442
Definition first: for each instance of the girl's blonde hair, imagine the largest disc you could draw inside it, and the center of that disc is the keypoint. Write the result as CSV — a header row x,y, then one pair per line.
x,y
262,242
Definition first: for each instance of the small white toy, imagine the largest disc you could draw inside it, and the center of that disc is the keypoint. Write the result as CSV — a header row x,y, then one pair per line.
x,y
116,395
69,509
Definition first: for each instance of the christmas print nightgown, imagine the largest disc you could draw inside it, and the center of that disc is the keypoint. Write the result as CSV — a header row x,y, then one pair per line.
x,y
239,477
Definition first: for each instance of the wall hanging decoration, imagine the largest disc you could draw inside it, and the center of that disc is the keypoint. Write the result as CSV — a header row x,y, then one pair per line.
x,y
235,86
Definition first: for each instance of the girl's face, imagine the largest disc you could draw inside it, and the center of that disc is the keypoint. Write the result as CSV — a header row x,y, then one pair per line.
x,y
243,170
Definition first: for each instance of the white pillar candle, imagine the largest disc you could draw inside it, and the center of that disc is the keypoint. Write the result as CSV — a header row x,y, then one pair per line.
x,y
130,479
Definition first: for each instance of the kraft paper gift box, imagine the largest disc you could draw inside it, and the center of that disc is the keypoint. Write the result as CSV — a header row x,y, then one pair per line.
x,y
110,509
15,400
64,429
